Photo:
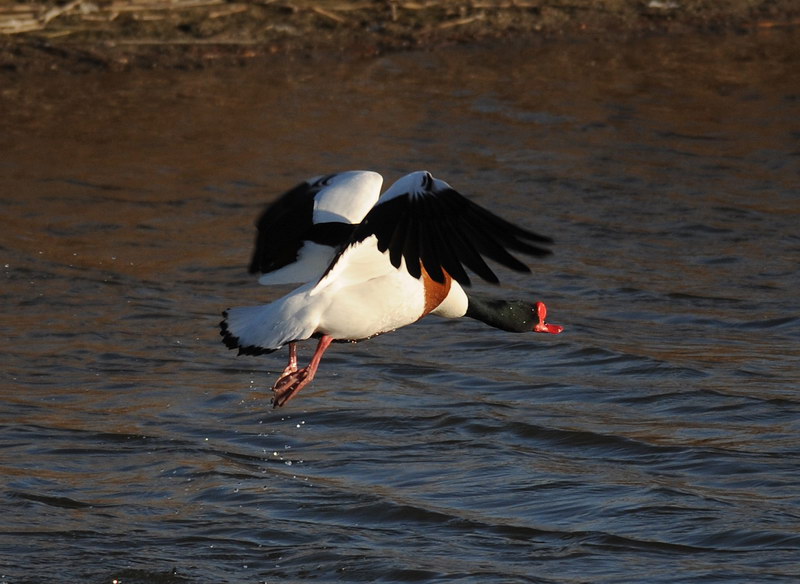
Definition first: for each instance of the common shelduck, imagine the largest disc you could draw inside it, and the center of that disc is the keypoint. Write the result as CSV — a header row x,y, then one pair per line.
x,y
372,263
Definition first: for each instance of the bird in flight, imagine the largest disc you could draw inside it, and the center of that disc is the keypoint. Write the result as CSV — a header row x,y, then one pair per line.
x,y
368,264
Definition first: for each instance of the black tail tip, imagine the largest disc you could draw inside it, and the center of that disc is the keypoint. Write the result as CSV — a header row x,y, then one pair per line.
x,y
230,341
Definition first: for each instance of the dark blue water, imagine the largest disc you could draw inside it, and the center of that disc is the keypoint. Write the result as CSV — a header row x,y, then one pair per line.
x,y
656,440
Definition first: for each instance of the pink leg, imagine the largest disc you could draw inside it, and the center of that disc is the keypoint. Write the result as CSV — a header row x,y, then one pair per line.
x,y
291,367
289,384
542,326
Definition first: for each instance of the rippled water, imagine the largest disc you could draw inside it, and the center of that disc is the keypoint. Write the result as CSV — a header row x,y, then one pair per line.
x,y
656,440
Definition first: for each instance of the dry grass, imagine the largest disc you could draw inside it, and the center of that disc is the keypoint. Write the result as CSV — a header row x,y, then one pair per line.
x,y
40,16
76,17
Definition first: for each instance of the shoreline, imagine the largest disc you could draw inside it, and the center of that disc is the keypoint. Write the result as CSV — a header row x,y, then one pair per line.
x,y
80,35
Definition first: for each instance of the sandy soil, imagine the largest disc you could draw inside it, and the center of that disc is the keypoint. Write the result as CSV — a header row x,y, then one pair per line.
x,y
79,35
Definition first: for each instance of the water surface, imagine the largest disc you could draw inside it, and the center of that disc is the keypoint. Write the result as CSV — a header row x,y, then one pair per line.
x,y
656,440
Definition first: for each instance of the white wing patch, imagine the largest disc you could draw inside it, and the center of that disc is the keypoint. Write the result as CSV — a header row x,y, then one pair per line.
x,y
414,185
348,197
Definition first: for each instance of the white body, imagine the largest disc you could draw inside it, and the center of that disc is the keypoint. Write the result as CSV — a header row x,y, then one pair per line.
x,y
363,295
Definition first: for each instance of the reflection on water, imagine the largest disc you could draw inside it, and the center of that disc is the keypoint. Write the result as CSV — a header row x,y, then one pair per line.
x,y
654,441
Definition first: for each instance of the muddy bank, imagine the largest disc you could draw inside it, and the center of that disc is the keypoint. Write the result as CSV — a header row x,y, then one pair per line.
x,y
95,34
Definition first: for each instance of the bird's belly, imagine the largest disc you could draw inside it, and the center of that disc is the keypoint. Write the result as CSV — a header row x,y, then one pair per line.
x,y
377,306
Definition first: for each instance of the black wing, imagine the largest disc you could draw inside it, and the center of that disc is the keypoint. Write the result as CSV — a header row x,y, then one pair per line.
x,y
287,223
444,231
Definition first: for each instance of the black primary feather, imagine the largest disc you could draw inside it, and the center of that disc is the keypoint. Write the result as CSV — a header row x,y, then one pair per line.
x,y
445,232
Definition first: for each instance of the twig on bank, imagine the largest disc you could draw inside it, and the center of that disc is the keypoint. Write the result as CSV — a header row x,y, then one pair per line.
x,y
460,21
328,14
57,11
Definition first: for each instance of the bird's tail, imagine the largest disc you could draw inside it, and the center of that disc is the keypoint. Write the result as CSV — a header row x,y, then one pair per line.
x,y
255,330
